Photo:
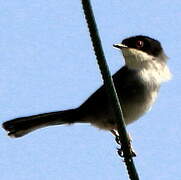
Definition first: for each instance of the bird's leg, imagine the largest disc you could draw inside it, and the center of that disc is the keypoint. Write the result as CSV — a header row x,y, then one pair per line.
x,y
117,138
120,150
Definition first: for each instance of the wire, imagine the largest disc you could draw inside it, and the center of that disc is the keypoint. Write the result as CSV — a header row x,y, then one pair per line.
x,y
108,82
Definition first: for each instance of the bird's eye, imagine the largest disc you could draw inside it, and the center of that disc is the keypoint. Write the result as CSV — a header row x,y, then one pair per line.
x,y
139,44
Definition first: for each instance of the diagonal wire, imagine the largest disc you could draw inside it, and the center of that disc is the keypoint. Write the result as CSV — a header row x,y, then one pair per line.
x,y
96,42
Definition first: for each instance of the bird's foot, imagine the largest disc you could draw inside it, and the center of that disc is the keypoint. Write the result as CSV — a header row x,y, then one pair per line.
x,y
116,135
132,153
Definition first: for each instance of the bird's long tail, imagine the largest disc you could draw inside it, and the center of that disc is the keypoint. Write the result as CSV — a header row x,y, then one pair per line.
x,y
21,126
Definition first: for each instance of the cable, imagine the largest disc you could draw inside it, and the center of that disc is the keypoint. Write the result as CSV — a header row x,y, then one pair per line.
x,y
108,82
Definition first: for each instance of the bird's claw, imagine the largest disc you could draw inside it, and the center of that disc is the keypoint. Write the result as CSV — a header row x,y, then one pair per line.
x,y
117,139
132,153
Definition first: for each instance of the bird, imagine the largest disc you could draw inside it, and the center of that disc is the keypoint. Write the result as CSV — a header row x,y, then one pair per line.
x,y
137,84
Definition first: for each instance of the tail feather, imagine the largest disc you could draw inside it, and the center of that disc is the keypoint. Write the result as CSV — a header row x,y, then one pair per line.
x,y
21,126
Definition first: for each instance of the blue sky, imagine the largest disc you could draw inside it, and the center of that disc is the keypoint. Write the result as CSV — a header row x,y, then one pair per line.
x,y
47,64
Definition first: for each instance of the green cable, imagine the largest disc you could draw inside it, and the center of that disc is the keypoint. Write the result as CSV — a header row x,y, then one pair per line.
x,y
108,82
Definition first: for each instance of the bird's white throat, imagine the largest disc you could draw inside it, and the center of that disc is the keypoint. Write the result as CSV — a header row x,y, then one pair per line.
x,y
151,69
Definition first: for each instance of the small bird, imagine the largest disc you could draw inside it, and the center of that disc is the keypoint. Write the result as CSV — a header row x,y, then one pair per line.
x,y
137,84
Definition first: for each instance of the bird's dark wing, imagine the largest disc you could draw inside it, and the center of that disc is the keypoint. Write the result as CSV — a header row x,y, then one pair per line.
x,y
128,86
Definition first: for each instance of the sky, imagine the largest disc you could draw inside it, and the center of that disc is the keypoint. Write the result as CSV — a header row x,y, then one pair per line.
x,y
47,64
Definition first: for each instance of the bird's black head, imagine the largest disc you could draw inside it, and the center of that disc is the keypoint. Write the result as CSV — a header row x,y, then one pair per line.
x,y
145,44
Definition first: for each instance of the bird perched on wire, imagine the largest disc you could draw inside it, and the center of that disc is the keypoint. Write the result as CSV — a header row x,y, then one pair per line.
x,y
137,84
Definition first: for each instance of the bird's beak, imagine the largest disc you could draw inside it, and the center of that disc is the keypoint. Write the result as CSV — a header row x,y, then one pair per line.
x,y
120,46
